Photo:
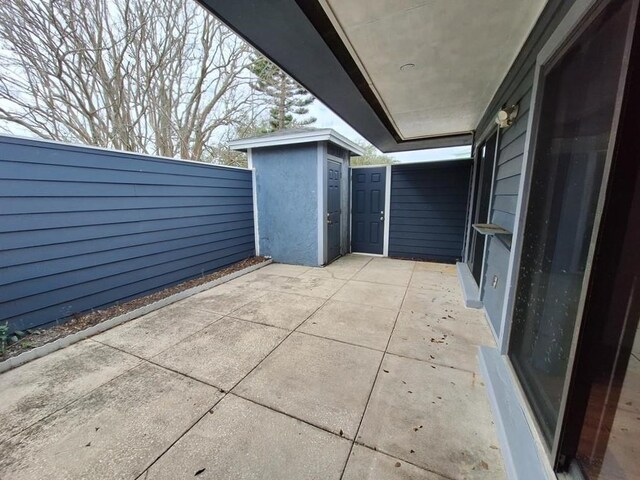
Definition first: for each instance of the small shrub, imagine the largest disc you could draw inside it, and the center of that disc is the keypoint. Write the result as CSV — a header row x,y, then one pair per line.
x,y
4,334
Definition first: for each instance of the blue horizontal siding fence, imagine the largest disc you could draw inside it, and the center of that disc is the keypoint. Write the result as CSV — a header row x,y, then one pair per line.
x,y
428,210
83,228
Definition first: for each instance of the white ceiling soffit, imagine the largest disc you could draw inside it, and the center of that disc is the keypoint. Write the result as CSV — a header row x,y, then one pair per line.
x,y
461,49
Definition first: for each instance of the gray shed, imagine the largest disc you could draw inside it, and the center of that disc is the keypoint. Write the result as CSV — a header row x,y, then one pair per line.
x,y
301,194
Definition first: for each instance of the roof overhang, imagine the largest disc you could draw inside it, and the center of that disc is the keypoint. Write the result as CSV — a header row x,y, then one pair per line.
x,y
290,138
349,54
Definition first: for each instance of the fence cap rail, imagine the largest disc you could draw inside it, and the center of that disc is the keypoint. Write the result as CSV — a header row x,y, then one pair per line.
x,y
18,139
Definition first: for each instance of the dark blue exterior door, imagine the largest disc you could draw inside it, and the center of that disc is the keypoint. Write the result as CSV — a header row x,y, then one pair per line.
x,y
367,209
333,210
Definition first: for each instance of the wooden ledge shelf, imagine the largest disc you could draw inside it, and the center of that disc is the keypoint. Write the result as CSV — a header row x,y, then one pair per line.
x,y
490,229
493,230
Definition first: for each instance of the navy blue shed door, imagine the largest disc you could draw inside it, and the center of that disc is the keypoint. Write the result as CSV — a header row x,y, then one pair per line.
x,y
367,209
333,210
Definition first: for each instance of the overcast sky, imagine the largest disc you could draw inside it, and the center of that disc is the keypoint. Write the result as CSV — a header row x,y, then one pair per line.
x,y
328,119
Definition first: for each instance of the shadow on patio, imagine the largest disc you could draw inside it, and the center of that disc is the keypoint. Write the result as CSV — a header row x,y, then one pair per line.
x,y
365,369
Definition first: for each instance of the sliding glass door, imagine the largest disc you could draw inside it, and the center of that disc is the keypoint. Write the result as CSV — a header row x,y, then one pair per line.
x,y
577,103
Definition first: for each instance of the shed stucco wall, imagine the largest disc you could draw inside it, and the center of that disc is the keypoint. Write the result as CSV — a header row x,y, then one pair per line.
x,y
286,193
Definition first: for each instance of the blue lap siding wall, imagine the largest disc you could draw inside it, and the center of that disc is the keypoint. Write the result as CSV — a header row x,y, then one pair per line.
x,y
428,210
82,228
516,88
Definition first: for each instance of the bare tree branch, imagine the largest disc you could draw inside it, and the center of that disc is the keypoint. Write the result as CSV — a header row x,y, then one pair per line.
x,y
163,78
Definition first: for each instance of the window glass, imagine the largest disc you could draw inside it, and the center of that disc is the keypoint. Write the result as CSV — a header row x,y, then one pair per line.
x,y
578,98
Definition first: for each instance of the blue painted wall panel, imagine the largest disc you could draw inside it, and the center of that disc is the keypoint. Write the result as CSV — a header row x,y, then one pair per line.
x,y
428,210
286,189
516,88
82,228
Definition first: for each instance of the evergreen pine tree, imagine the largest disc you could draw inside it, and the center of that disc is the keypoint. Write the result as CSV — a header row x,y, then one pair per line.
x,y
288,100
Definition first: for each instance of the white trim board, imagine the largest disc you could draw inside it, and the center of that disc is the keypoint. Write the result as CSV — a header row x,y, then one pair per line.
x,y
311,136
487,239
254,194
387,212
321,165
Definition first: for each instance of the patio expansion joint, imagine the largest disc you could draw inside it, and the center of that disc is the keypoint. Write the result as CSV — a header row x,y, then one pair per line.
x,y
390,455
68,404
299,332
282,412
366,406
164,367
430,362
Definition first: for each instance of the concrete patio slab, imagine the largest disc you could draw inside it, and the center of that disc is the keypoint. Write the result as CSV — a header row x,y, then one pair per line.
x,y
343,268
39,388
312,287
226,298
434,280
449,268
296,398
437,418
394,264
365,293
337,273
351,260
115,431
153,333
258,280
434,301
323,382
241,440
283,310
352,323
367,464
285,270
222,353
386,273
446,342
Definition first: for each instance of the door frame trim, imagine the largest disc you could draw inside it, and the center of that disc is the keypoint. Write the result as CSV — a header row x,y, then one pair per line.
x,y
254,195
340,161
494,169
387,209
322,202
387,212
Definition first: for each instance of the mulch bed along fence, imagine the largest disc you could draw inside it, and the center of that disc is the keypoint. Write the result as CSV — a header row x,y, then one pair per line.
x,y
31,339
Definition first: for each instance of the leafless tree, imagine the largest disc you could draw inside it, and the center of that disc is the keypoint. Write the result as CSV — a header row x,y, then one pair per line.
x,y
159,77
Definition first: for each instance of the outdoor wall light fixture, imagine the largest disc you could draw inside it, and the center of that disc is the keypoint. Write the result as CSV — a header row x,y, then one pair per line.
x,y
407,66
507,116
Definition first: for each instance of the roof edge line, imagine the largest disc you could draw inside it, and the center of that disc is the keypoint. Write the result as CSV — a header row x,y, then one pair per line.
x,y
321,135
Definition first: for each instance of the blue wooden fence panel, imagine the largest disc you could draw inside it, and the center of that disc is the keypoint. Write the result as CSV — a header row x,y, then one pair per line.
x,y
83,228
428,210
